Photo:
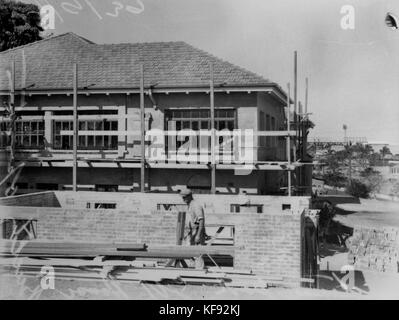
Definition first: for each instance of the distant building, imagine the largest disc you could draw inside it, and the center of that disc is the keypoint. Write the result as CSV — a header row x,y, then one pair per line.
x,y
378,145
318,186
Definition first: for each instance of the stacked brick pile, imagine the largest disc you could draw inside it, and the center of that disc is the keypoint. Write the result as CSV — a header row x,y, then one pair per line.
x,y
375,249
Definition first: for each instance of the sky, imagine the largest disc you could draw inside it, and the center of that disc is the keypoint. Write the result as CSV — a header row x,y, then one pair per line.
x,y
353,73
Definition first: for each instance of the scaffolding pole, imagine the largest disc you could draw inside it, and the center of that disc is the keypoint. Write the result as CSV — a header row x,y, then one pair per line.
x,y
289,139
296,88
295,103
11,162
142,115
213,136
75,128
307,98
296,119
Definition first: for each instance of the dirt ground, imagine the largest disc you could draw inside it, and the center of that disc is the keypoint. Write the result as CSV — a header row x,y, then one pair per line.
x,y
29,288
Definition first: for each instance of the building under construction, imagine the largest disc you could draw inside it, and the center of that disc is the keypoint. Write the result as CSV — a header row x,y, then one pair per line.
x,y
177,96
129,125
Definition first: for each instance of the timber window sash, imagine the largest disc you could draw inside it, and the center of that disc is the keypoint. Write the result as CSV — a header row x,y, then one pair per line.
x,y
4,140
200,120
29,134
86,142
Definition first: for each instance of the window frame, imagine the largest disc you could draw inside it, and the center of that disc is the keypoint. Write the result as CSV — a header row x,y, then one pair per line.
x,y
183,119
86,125
23,135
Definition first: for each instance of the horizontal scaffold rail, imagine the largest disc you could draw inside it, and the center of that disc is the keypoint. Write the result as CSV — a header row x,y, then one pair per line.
x,y
135,164
185,133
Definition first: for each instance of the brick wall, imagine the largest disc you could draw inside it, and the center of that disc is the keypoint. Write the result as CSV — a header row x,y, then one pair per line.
x,y
271,245
147,202
108,225
44,199
265,243
375,249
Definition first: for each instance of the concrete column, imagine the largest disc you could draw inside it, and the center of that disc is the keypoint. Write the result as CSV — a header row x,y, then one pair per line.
x,y
122,126
1,230
48,129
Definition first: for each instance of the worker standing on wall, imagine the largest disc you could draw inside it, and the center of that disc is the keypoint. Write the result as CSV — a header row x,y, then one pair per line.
x,y
196,224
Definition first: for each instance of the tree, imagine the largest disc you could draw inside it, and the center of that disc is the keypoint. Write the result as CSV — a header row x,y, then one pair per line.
x,y
372,179
353,162
395,189
358,189
335,179
385,151
19,24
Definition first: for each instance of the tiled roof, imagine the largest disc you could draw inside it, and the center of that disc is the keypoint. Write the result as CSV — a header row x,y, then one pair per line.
x,y
47,64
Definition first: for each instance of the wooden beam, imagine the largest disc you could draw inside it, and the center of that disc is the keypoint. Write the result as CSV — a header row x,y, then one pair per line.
x,y
295,101
12,114
181,222
213,136
289,138
169,133
75,128
174,252
142,114
32,245
169,90
290,132
296,86
307,97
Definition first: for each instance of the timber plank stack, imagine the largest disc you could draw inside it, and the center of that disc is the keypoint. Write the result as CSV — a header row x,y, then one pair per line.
x,y
127,262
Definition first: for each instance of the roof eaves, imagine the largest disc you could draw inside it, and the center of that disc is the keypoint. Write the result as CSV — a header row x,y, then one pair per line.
x,y
45,40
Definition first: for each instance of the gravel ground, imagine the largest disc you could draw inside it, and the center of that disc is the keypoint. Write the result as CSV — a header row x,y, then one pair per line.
x,y
370,213
29,288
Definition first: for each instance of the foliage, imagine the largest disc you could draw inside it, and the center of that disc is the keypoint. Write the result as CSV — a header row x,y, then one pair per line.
x,y
353,161
385,151
358,189
395,189
19,24
335,179
372,179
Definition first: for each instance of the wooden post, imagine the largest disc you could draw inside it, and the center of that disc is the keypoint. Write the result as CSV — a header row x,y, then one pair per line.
x,y
181,222
298,171
12,118
75,128
296,88
142,114
295,102
289,138
213,133
307,98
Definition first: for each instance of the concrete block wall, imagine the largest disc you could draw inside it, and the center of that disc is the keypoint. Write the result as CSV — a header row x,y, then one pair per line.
x,y
213,204
375,249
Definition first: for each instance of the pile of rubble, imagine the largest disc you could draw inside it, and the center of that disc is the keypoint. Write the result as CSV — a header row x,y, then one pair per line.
x,y
375,249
